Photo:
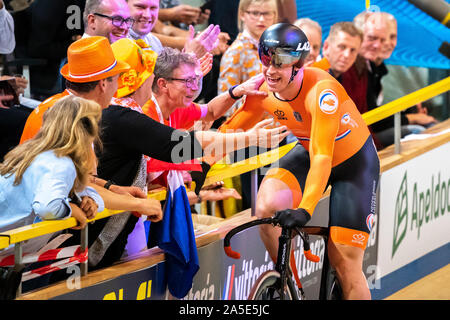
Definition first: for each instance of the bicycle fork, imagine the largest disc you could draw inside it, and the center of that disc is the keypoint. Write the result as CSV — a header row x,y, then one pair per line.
x,y
284,249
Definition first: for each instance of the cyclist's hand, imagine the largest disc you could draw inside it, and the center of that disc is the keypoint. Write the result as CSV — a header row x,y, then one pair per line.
x,y
200,177
291,218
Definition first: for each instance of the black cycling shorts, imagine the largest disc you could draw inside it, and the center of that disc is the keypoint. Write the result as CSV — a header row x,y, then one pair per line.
x,y
353,190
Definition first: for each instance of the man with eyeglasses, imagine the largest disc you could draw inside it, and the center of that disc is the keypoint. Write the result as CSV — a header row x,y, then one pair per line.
x,y
107,18
174,89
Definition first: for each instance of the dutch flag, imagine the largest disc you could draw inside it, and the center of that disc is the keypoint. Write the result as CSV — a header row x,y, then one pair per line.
x,y
175,235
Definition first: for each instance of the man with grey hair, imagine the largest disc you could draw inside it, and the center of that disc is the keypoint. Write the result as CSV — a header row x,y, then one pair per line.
x,y
363,80
313,32
176,84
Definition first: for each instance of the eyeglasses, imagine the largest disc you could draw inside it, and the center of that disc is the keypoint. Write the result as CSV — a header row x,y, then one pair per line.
x,y
117,21
189,82
278,57
257,14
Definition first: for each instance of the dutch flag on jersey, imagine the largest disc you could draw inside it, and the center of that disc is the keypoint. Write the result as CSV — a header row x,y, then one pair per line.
x,y
175,235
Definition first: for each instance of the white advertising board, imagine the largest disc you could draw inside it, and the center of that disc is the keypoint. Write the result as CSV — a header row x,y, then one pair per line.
x,y
414,209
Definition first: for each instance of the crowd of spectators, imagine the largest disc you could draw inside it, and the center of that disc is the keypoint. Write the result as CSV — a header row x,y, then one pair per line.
x,y
153,72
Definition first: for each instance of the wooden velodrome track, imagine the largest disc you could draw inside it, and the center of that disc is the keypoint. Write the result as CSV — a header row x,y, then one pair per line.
x,y
433,286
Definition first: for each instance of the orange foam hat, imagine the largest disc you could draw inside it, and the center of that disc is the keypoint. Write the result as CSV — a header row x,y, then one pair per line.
x,y
91,59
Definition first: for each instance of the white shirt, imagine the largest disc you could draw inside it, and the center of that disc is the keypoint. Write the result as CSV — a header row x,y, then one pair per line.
x,y
149,38
7,40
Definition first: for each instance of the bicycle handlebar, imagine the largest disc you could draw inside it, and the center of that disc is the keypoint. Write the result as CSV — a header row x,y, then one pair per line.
x,y
226,241
236,255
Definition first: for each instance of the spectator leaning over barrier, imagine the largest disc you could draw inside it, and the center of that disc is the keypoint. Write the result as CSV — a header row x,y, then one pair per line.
x,y
174,88
7,39
241,62
46,177
313,32
363,80
128,135
92,73
341,47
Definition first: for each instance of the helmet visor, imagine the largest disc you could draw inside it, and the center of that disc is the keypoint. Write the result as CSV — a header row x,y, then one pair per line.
x,y
278,57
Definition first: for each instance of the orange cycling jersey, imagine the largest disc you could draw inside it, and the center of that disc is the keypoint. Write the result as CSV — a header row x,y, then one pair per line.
x,y
323,118
34,121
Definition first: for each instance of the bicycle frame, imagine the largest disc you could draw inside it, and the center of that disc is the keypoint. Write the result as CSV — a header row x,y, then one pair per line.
x,y
284,249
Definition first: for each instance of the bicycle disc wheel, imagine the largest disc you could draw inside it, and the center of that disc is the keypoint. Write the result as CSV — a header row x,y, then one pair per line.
x,y
267,287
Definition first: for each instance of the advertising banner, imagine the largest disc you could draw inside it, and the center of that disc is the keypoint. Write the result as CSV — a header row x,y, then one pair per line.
x,y
414,209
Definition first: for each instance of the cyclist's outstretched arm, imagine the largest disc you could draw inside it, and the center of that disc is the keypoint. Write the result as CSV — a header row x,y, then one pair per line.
x,y
245,117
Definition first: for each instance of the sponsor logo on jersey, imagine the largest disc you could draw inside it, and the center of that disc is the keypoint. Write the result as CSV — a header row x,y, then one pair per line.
x,y
358,238
328,101
280,114
345,119
369,221
298,116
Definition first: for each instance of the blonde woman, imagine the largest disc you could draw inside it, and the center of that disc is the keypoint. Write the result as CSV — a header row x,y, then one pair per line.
x,y
241,62
40,179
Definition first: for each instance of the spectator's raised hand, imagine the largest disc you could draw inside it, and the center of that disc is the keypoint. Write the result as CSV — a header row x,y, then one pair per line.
x,y
21,83
251,87
222,44
5,98
269,138
204,42
206,63
186,14
204,16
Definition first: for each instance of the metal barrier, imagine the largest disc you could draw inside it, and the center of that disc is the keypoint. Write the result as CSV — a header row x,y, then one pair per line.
x,y
409,100
221,171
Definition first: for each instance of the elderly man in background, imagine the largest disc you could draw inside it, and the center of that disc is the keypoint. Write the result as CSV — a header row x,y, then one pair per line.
x,y
313,32
363,80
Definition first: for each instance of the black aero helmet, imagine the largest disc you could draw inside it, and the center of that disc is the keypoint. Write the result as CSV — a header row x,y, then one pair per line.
x,y
283,45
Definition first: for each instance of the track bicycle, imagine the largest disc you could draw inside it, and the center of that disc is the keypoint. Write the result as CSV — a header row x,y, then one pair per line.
x,y
278,284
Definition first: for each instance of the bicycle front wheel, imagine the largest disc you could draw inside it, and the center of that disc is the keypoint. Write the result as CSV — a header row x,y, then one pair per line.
x,y
335,291
268,287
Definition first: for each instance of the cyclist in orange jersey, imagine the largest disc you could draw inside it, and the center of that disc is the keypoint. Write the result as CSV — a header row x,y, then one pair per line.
x,y
335,148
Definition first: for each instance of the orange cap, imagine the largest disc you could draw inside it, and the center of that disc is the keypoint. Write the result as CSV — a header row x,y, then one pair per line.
x,y
91,59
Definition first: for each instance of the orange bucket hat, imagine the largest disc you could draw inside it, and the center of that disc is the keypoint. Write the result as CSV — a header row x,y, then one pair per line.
x,y
91,59
141,60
